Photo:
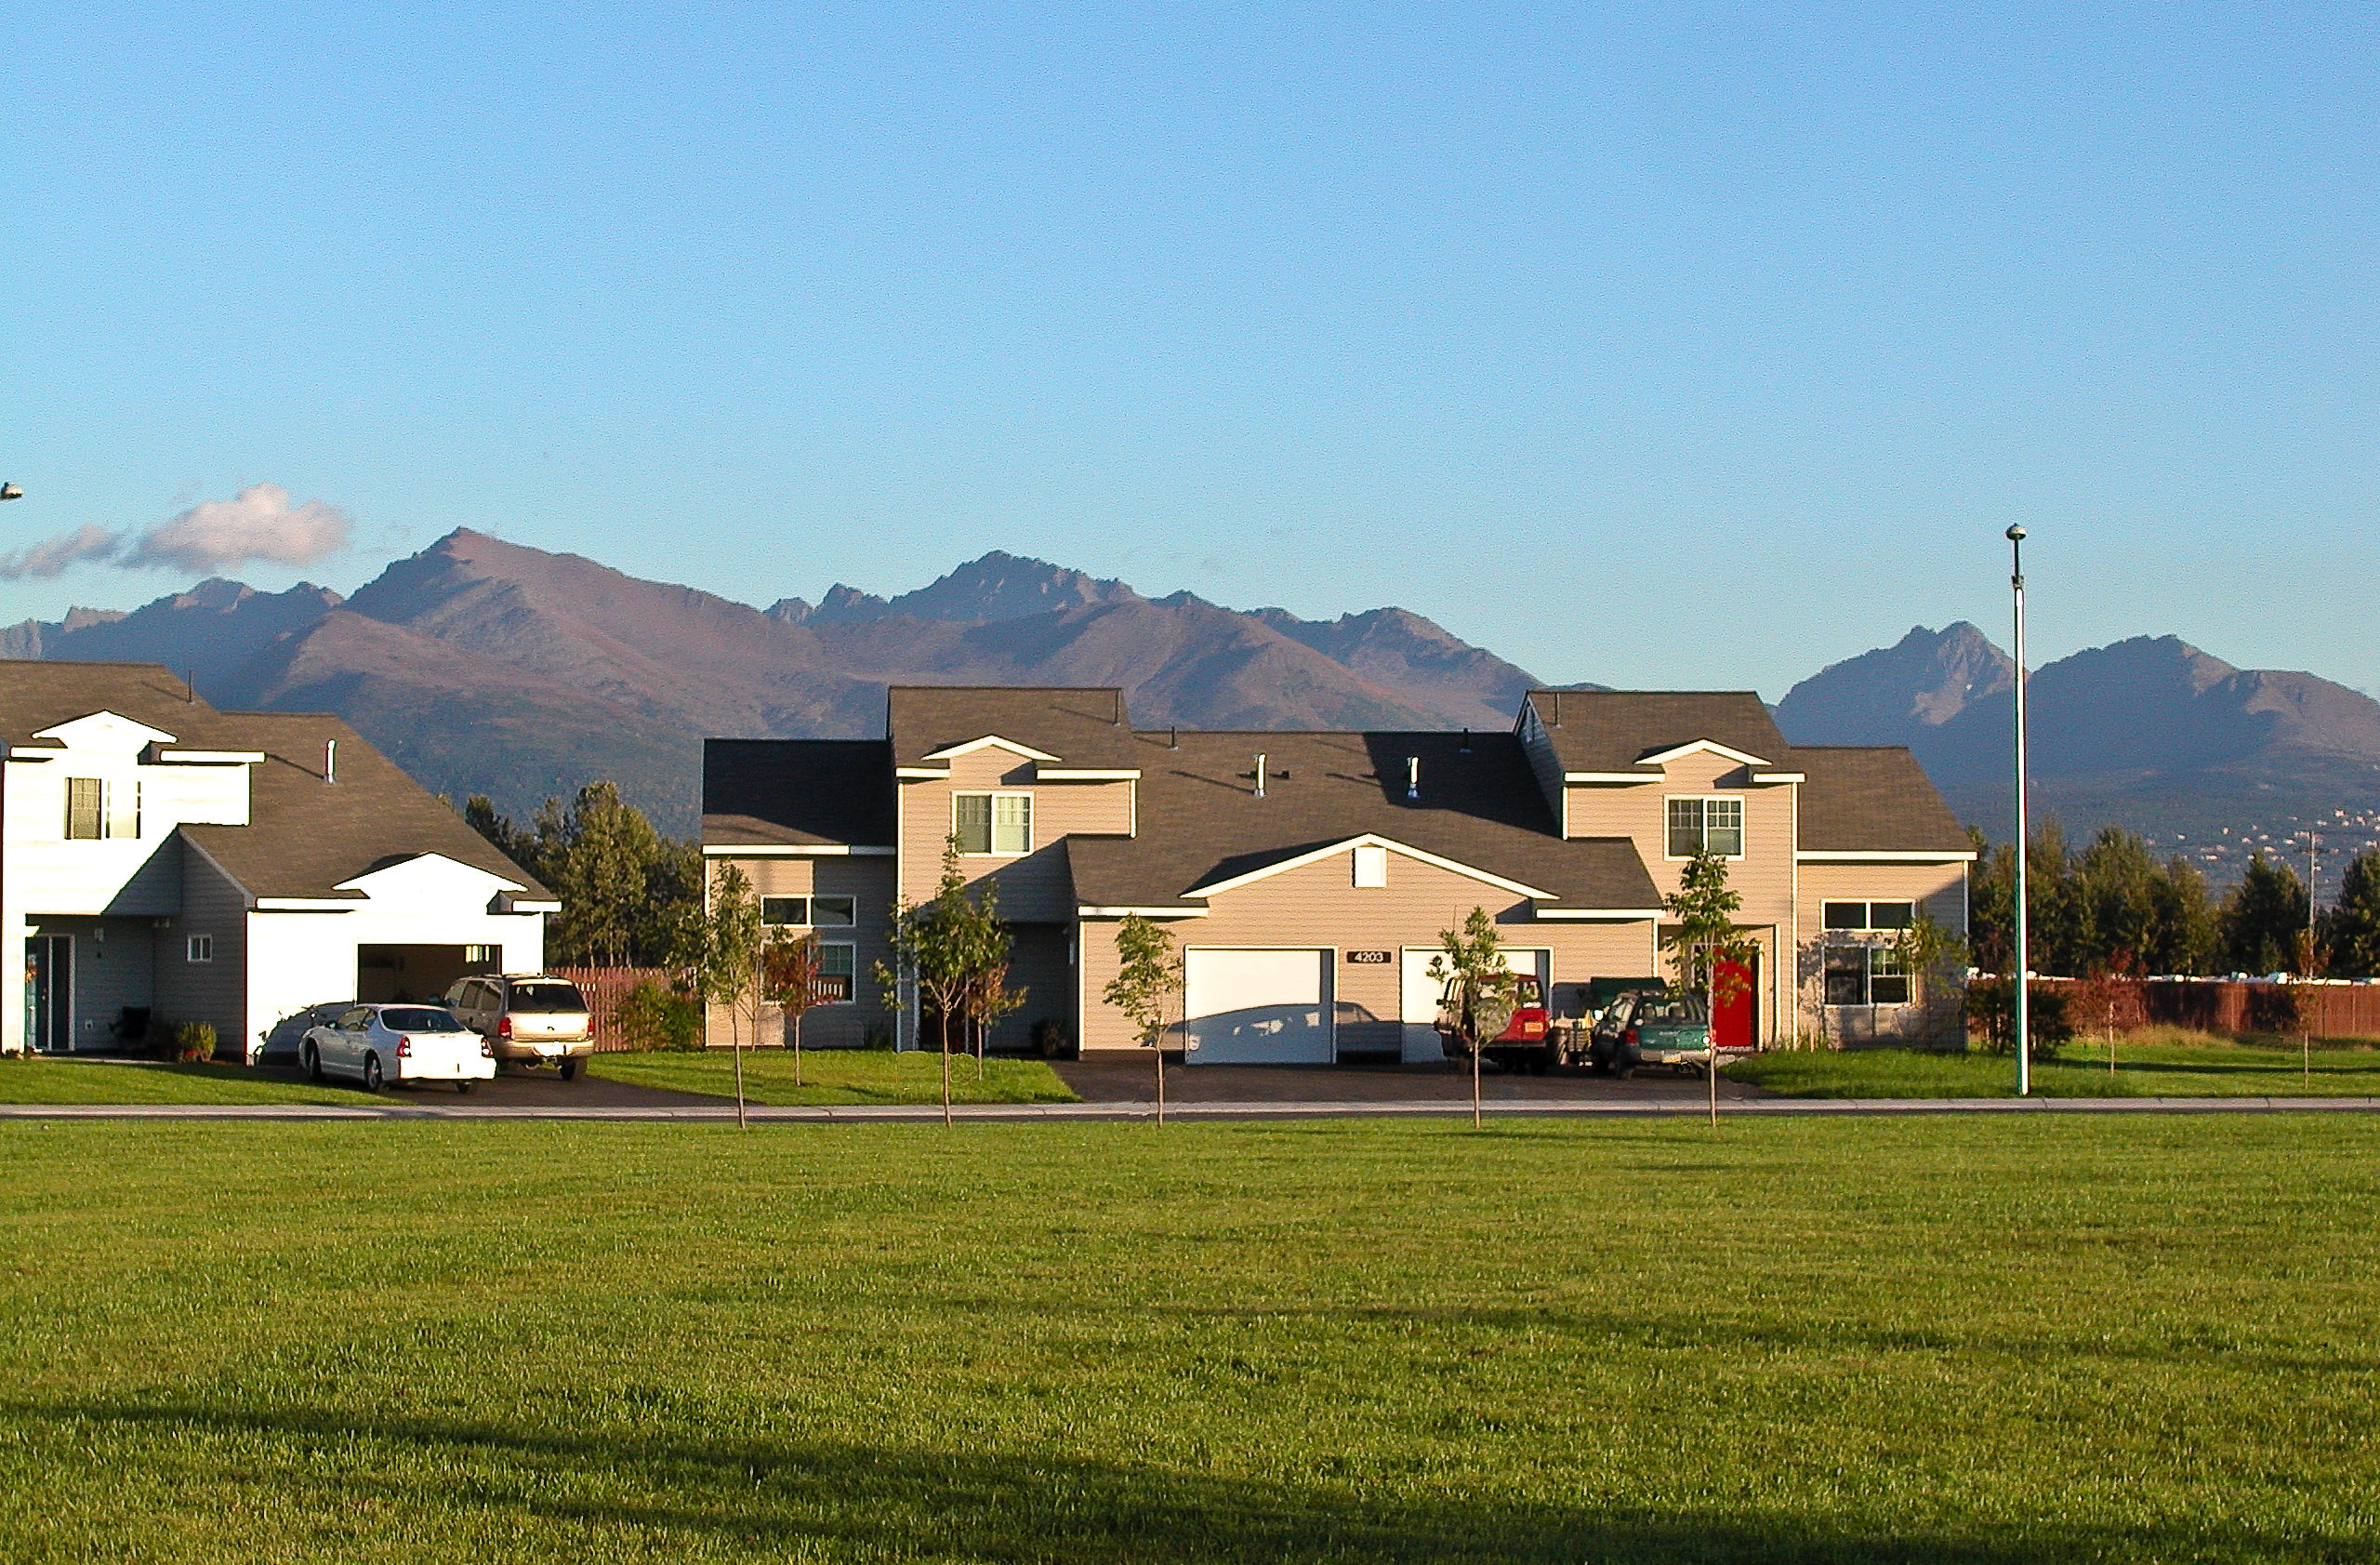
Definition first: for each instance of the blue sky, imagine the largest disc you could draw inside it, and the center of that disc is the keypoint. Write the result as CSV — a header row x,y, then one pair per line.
x,y
1663,346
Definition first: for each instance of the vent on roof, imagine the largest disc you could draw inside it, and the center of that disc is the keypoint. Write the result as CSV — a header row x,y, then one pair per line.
x,y
330,762
1261,759
1466,743
1413,777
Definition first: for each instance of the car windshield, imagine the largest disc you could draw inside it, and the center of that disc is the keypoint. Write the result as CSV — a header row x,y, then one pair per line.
x,y
1524,993
546,997
418,1018
1675,1009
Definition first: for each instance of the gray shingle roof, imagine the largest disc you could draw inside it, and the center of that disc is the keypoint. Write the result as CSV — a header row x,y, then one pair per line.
x,y
797,792
1082,727
308,835
1871,799
1611,730
1200,821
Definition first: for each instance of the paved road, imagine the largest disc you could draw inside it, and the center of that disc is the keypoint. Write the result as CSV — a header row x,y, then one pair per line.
x,y
481,1107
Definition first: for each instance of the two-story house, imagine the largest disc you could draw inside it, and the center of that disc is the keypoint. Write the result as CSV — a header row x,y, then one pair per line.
x,y
1307,876
164,861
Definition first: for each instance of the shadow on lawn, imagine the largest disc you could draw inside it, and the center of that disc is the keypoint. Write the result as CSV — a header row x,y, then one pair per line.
x,y
1018,1507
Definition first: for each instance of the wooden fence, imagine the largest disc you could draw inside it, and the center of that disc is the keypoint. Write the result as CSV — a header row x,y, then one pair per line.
x,y
2223,1005
604,989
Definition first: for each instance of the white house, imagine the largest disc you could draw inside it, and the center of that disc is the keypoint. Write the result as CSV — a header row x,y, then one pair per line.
x,y
164,862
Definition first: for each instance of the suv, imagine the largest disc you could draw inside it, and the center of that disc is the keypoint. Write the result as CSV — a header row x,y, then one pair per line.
x,y
1650,1027
530,1018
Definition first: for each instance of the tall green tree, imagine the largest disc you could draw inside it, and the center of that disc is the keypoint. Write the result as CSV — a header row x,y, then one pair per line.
x,y
2263,918
2182,934
630,895
2354,924
2115,885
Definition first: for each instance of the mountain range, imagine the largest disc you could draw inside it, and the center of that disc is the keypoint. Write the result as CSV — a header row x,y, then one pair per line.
x,y
486,667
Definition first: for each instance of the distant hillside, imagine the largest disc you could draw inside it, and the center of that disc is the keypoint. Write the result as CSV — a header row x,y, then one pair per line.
x,y
486,667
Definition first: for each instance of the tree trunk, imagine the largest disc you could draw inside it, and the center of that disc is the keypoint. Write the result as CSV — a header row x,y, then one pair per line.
x,y
945,1069
797,1046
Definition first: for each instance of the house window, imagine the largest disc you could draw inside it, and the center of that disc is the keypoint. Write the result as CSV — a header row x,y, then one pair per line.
x,y
199,948
1865,975
837,965
97,808
1706,826
993,823
1371,866
805,912
1870,915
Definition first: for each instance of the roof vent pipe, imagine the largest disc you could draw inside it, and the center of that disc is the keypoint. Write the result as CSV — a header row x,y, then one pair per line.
x,y
1557,709
1118,719
1466,742
1261,759
1413,777
330,762
1172,737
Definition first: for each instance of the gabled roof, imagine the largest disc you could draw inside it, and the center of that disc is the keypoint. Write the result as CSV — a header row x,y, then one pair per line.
x,y
307,836
1873,799
1610,730
1083,729
1200,822
797,792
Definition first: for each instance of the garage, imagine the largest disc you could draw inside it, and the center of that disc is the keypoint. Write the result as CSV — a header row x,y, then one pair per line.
x,y
1257,1007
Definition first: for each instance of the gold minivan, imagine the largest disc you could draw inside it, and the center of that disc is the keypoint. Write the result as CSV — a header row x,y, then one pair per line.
x,y
531,1018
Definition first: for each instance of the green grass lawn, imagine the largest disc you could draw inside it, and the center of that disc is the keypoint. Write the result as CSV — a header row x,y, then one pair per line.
x,y
840,1076
1978,1341
2210,1069
48,1080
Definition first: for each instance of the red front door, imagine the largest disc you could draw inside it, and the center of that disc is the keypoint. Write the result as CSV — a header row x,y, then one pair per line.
x,y
1735,1022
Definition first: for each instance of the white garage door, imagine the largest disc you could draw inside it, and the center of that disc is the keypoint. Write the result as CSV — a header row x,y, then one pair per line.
x,y
1257,1007
1420,996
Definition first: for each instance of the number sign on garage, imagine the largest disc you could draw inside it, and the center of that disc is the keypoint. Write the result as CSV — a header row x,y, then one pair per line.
x,y
1257,1007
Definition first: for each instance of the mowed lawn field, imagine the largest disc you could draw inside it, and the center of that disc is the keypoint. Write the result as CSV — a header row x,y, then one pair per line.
x,y
840,1076
2202,1067
2106,1338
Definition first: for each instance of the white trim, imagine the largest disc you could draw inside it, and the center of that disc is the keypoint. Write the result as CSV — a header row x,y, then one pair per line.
x,y
1711,747
1858,856
528,905
155,736
795,850
921,774
1780,776
1611,778
37,752
989,741
309,904
1087,911
1087,774
1612,915
1370,839
215,757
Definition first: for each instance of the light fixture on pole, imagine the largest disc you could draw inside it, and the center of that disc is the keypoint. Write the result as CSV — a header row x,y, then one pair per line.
x,y
2022,1022
10,491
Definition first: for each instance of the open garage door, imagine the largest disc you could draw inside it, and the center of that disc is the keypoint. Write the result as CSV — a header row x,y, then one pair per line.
x,y
1267,1007
1420,993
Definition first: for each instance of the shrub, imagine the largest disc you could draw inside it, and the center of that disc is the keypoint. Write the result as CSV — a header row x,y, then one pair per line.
x,y
876,1035
1991,1015
195,1041
650,1016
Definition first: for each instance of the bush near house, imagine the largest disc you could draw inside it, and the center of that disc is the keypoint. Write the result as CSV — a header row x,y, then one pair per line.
x,y
193,1040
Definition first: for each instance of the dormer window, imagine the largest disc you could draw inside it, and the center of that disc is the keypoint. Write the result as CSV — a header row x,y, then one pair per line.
x,y
999,824
100,807
1713,825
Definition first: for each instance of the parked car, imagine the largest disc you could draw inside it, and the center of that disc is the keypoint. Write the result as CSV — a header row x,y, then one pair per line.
x,y
1527,1042
531,1018
1651,1027
377,1043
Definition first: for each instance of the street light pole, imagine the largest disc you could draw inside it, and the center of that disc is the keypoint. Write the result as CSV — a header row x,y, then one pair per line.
x,y
2023,1020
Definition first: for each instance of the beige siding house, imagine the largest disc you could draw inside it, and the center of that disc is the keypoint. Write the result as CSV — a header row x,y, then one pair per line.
x,y
1307,876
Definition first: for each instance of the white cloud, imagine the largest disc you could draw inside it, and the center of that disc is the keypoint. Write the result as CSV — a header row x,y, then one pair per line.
x,y
258,524
51,556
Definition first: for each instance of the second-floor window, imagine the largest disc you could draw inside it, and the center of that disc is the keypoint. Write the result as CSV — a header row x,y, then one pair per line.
x,y
1870,915
100,807
993,823
1706,826
807,911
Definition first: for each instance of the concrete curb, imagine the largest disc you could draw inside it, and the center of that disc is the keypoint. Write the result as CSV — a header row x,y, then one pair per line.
x,y
997,1112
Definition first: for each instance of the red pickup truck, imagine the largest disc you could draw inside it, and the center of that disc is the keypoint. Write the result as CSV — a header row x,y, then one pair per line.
x,y
1528,1042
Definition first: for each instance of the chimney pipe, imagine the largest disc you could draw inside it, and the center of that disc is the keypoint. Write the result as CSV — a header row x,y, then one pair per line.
x,y
330,762
1261,759
1557,709
1118,719
1172,737
190,688
1413,777
1466,742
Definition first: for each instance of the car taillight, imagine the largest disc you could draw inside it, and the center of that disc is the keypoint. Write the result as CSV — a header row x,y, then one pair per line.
x,y
487,1050
504,1026
404,1048
1629,1037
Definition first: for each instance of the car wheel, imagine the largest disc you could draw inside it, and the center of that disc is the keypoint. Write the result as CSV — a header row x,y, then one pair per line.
x,y
462,1086
313,1063
570,1071
371,1073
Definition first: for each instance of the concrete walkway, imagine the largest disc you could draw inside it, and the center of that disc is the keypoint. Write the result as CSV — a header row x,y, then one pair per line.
x,y
712,1111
